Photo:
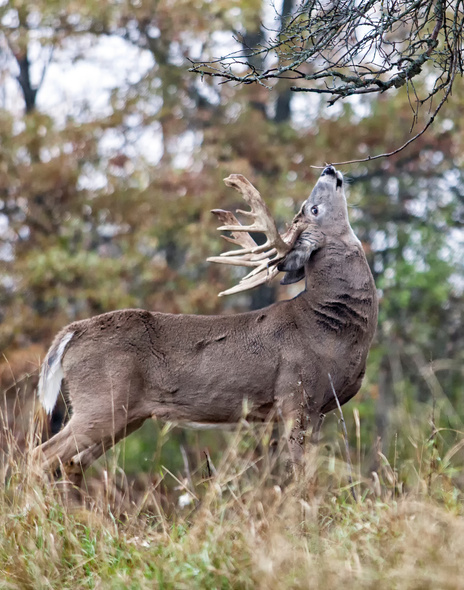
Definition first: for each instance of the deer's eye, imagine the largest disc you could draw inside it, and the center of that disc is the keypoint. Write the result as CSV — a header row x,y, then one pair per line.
x,y
314,210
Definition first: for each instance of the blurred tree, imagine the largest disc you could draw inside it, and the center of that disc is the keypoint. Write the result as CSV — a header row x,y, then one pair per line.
x,y
108,207
342,49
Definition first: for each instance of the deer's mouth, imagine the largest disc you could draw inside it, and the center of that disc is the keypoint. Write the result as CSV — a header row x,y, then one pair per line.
x,y
330,171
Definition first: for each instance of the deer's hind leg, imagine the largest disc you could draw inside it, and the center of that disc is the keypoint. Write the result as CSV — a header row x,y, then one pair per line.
x,y
79,463
64,445
103,410
80,443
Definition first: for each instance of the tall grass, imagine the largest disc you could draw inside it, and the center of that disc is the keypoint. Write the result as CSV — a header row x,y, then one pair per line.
x,y
237,524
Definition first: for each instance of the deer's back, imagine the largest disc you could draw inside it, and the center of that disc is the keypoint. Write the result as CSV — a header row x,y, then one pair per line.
x,y
260,355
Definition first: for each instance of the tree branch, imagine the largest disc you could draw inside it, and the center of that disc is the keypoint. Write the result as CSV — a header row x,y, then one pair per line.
x,y
348,49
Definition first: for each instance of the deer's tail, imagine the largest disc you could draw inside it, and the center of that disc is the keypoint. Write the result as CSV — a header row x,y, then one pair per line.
x,y
51,373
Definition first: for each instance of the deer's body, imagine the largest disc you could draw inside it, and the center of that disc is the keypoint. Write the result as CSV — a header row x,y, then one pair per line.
x,y
123,367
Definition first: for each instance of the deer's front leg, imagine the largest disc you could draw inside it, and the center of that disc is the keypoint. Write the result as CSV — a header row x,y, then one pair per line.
x,y
297,444
304,430
296,420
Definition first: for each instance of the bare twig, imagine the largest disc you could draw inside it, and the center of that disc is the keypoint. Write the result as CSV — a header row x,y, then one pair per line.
x,y
371,44
405,145
349,48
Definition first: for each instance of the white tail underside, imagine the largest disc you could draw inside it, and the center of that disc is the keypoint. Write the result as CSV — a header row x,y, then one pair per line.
x,y
51,374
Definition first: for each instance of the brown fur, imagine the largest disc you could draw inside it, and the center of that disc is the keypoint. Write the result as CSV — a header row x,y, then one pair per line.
x,y
123,367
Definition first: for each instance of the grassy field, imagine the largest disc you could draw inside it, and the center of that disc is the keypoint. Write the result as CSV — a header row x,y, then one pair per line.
x,y
399,524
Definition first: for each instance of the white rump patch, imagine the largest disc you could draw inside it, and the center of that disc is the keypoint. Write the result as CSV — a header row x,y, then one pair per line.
x,y
51,374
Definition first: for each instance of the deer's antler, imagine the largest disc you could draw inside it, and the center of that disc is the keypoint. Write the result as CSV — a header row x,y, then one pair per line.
x,y
265,257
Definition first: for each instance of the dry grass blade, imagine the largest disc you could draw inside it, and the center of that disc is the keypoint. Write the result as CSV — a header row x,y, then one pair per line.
x,y
248,530
345,439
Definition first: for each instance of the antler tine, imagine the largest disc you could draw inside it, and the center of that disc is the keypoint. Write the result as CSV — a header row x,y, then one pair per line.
x,y
246,284
237,237
239,261
263,221
264,257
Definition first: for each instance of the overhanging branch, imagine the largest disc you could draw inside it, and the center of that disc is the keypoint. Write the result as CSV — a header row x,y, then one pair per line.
x,y
347,48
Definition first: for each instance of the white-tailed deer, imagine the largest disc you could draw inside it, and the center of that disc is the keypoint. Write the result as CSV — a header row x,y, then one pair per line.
x,y
122,367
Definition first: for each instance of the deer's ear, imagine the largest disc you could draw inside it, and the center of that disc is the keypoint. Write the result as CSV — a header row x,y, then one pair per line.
x,y
294,262
293,276
299,254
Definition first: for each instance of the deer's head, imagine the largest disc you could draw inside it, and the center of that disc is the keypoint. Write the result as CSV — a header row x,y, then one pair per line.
x,y
322,215
326,208
325,214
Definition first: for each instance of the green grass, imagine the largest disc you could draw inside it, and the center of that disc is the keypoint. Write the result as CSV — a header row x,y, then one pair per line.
x,y
246,529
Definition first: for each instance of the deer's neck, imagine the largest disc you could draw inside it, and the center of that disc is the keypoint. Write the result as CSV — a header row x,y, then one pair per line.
x,y
340,289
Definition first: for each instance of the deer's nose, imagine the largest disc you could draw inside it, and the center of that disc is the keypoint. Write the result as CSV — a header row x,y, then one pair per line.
x,y
329,170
